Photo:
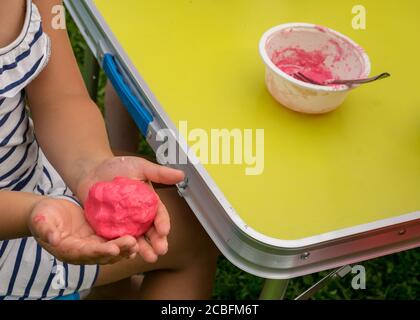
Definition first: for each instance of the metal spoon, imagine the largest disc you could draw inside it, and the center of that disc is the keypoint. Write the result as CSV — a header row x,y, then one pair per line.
x,y
302,77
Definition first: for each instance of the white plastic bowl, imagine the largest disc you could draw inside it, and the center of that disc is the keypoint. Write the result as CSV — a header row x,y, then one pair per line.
x,y
304,97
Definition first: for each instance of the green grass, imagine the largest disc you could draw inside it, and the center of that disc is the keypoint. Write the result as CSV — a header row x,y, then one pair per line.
x,y
392,277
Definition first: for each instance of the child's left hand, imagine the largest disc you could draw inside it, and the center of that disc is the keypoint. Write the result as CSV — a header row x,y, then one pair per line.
x,y
60,227
155,242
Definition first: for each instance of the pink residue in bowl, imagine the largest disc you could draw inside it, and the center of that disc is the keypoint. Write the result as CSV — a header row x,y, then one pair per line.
x,y
316,52
310,63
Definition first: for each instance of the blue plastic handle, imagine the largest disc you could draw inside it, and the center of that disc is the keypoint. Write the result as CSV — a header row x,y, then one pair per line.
x,y
141,116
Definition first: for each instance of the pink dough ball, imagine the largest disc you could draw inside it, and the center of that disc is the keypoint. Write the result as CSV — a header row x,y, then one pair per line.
x,y
121,207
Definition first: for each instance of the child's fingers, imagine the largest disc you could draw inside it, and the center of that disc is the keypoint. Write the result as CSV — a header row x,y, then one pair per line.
x,y
102,250
75,248
118,248
104,260
99,253
159,243
79,251
127,245
162,221
161,174
146,251
101,256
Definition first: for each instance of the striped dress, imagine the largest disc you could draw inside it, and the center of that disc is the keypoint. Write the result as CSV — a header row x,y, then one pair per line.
x,y
26,270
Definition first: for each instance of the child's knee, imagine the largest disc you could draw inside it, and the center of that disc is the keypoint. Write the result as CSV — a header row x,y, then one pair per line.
x,y
199,247
188,241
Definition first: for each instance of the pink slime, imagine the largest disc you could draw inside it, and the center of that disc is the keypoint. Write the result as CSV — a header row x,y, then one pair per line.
x,y
311,64
121,207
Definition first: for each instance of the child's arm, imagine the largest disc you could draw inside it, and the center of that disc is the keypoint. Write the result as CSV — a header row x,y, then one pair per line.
x,y
15,209
71,132
59,226
68,125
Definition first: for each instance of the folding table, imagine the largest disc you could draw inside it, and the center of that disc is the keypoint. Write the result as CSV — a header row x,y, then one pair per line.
x,y
336,189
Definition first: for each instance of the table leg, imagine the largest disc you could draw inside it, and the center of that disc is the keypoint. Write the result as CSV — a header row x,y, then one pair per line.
x,y
274,290
340,272
91,74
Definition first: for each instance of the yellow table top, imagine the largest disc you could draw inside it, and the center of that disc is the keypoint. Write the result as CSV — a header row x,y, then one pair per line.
x,y
322,173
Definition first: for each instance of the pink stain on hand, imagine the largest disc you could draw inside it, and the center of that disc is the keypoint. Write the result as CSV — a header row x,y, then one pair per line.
x,y
121,207
310,63
39,218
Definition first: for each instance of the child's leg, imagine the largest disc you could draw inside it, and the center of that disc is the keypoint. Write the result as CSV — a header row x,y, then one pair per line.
x,y
126,289
122,131
186,272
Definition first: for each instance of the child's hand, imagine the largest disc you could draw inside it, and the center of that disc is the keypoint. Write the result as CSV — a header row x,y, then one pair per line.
x,y
60,227
155,242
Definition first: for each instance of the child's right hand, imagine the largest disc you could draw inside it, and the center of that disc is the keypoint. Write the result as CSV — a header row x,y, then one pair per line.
x,y
61,228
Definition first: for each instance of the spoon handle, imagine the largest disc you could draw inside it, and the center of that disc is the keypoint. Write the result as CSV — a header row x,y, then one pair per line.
x,y
360,81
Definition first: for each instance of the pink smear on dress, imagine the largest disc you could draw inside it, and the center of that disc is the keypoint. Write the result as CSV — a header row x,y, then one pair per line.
x,y
121,207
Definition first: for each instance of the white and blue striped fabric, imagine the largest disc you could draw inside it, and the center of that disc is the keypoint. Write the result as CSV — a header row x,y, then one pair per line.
x,y
26,270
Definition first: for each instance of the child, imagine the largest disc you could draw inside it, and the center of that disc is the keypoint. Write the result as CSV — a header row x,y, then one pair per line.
x,y
42,226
